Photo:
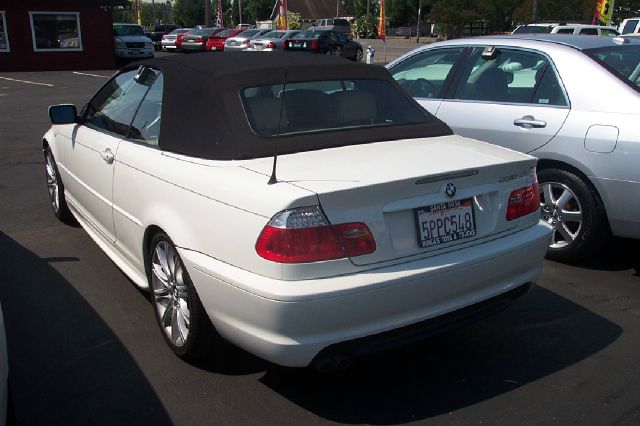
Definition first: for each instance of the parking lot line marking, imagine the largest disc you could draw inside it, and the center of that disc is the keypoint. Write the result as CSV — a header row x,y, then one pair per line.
x,y
91,75
27,81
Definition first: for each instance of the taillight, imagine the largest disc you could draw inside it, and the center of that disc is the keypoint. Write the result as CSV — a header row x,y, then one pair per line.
x,y
314,44
199,40
524,201
271,45
284,45
248,43
305,235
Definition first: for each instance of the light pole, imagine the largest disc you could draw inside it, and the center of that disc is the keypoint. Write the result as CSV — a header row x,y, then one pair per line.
x,y
534,11
418,24
240,11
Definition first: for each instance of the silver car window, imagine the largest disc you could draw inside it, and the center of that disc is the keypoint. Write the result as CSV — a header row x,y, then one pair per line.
x,y
510,76
423,75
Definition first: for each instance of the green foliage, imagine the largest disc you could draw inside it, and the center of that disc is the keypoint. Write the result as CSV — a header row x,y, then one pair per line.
x,y
363,28
252,10
188,12
294,20
452,16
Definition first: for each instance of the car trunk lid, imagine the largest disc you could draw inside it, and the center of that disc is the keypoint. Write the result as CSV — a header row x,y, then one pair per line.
x,y
397,187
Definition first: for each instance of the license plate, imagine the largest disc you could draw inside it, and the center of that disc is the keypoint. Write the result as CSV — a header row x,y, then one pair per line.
x,y
445,222
232,43
214,48
297,44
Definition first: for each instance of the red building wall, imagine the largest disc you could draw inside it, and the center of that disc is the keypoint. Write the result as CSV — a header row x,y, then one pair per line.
x,y
95,30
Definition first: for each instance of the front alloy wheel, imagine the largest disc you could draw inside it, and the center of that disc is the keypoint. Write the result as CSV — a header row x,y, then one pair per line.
x,y
179,312
55,188
574,210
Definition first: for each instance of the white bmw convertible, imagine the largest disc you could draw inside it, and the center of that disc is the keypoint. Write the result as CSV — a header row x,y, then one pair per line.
x,y
301,207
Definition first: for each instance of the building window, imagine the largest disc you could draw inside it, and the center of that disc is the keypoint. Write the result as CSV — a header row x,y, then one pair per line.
x,y
55,31
4,34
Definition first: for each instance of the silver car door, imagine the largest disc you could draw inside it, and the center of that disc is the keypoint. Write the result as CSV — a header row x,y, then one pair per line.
x,y
509,97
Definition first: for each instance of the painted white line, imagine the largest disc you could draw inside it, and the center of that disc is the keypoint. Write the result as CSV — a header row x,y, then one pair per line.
x,y
27,82
90,75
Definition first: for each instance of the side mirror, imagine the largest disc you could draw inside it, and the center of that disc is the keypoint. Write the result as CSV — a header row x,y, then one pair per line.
x,y
63,114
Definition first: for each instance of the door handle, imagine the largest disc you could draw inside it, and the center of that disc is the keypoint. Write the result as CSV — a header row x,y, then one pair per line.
x,y
107,156
529,122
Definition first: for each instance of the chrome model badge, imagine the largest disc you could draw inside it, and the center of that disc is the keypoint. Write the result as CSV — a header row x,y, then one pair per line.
x,y
450,189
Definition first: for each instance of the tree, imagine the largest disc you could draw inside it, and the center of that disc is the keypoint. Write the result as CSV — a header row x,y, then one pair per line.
x,y
189,13
452,16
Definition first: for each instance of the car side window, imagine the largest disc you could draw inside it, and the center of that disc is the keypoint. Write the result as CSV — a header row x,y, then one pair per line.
x,y
510,76
423,75
145,127
565,31
589,31
113,107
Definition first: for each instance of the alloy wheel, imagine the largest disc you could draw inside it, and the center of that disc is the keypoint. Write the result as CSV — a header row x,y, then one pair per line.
x,y
561,209
170,293
52,182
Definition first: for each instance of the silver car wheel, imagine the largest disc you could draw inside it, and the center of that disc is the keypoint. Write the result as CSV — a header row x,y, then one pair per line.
x,y
52,182
170,293
561,209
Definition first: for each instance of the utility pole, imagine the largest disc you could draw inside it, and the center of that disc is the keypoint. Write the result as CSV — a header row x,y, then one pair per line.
x,y
240,11
534,11
418,24
368,10
207,13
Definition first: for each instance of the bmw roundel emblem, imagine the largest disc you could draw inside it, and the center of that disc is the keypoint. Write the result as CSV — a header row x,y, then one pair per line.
x,y
450,189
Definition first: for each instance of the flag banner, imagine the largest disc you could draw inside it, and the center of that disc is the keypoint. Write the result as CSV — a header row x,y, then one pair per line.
x,y
283,21
604,10
381,23
219,21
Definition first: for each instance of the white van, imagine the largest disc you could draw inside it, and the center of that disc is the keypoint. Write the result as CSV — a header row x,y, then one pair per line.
x,y
630,26
583,29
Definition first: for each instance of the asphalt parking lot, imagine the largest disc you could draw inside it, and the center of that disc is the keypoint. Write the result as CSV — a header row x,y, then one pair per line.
x,y
84,347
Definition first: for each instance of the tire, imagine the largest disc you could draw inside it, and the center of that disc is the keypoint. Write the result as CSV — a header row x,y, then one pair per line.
x,y
183,322
56,188
575,212
359,55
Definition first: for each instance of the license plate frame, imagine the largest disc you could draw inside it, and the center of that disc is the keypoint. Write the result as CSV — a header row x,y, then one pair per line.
x,y
456,218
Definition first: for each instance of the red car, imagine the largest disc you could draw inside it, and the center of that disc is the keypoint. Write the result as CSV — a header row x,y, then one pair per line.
x,y
180,39
216,42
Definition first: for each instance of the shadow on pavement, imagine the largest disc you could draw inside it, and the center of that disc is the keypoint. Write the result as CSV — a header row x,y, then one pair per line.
x,y
618,254
539,335
83,373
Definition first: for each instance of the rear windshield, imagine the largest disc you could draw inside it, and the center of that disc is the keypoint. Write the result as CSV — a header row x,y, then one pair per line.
x,y
309,34
179,31
621,61
274,34
533,29
320,106
128,30
249,33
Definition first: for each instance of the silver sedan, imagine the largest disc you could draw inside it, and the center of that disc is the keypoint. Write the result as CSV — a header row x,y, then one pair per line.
x,y
571,101
270,41
240,42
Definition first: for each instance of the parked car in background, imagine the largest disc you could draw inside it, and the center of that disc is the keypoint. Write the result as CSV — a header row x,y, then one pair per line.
x,y
335,24
583,29
131,43
169,41
571,101
160,31
630,26
216,42
240,41
378,227
196,40
326,42
271,41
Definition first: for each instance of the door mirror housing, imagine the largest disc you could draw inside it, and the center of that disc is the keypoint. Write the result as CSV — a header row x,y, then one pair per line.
x,y
63,114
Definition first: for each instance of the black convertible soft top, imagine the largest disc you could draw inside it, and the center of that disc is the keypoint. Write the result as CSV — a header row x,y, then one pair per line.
x,y
203,114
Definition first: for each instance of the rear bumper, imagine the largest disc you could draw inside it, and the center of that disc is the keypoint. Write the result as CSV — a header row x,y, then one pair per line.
x,y
135,53
193,46
291,322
